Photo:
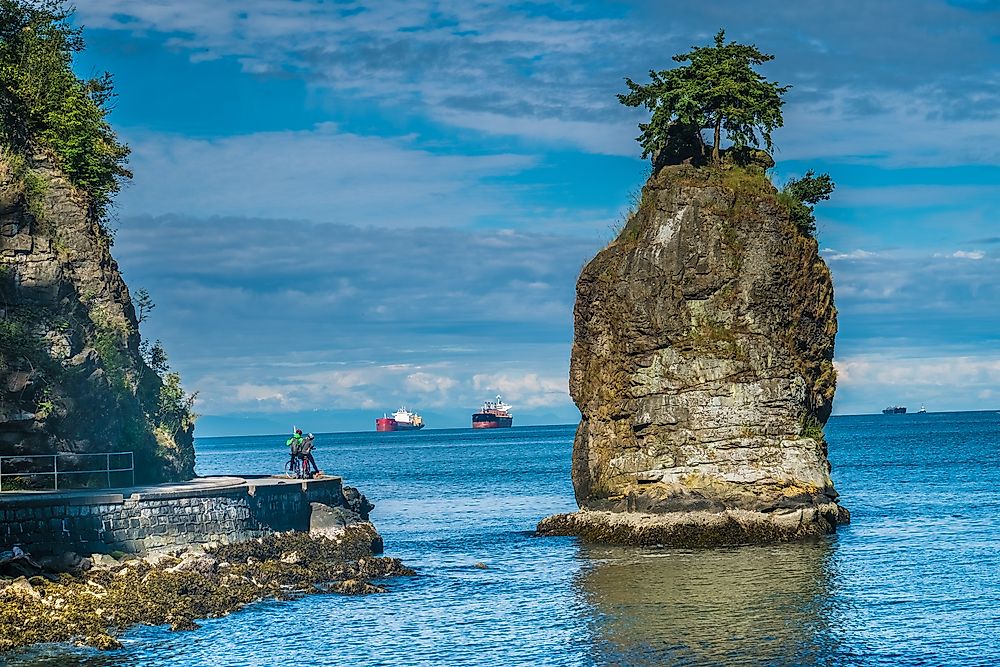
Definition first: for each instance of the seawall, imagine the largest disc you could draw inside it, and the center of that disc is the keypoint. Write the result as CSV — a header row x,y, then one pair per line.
x,y
225,510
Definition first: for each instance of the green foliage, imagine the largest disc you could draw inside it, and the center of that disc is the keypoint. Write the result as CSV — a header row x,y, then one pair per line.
x,y
17,342
113,359
800,195
42,101
175,408
20,345
44,409
155,357
143,305
811,428
717,89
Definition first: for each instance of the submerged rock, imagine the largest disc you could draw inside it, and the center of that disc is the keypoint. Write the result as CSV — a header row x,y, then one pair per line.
x,y
703,370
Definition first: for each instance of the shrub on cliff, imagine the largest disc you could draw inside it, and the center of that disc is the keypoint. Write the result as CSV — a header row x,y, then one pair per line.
x,y
43,102
719,90
800,195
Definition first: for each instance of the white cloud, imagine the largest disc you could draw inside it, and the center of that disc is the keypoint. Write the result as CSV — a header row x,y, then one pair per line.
x,y
962,373
323,174
972,254
550,72
428,383
833,255
829,129
528,389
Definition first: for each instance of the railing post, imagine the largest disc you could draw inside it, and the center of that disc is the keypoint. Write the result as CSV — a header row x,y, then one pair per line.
x,y
1,474
55,470
107,460
131,465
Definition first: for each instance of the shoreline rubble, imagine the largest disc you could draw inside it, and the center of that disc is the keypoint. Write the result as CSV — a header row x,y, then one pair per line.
x,y
102,597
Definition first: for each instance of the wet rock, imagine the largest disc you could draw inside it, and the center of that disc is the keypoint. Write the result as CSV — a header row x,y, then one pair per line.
x,y
357,502
200,563
67,561
326,521
104,560
691,529
481,566
356,587
20,587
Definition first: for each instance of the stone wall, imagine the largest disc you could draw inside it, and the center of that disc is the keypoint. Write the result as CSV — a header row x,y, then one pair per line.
x,y
89,523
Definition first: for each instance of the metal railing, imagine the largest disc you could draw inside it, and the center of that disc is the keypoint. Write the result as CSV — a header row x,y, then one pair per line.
x,y
67,469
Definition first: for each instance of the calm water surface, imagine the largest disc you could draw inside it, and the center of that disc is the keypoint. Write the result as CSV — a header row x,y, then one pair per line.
x,y
913,581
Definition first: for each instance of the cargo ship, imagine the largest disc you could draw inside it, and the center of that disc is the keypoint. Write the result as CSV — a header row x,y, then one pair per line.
x,y
494,414
401,420
894,410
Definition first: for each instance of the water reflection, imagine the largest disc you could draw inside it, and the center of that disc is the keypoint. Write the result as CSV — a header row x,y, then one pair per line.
x,y
746,605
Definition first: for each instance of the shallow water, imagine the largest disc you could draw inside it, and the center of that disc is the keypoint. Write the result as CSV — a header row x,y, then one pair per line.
x,y
913,580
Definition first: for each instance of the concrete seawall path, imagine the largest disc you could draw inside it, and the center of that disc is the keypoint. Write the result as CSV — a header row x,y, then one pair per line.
x,y
204,510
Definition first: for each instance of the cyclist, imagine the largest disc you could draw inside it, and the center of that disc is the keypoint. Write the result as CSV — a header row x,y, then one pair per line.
x,y
305,451
294,444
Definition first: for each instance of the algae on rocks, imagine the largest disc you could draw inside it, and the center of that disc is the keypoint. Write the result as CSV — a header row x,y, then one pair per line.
x,y
702,367
95,605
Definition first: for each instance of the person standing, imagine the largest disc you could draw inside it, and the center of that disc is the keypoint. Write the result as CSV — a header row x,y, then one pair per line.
x,y
307,449
294,447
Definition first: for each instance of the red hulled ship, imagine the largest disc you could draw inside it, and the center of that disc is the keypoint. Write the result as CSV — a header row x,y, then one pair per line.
x,y
495,414
401,420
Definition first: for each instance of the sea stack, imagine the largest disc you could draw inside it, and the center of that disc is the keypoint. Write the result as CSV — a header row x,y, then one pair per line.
x,y
702,367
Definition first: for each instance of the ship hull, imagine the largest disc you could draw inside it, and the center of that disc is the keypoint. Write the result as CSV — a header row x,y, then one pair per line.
x,y
491,421
389,425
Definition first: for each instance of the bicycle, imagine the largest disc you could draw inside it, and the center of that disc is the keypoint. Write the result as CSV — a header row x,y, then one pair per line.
x,y
297,467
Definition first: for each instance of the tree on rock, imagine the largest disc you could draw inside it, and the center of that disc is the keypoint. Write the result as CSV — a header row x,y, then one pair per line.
x,y
43,102
800,195
717,89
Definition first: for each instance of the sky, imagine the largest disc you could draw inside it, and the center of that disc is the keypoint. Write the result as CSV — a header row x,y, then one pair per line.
x,y
344,207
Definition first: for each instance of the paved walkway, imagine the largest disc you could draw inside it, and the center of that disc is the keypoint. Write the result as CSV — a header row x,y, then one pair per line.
x,y
197,486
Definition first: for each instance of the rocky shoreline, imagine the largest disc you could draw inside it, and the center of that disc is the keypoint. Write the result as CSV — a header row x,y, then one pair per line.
x,y
730,527
101,597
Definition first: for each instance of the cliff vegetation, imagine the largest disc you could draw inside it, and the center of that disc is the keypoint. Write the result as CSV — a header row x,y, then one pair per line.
x,y
75,375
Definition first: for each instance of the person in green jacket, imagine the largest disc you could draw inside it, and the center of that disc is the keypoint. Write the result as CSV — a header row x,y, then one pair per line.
x,y
294,447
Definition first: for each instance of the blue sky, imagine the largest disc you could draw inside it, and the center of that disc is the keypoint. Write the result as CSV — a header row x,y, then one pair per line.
x,y
342,207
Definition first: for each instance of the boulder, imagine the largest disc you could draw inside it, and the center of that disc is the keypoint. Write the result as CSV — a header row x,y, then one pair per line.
x,y
326,521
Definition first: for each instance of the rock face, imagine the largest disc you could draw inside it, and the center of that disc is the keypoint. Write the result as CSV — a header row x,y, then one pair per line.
x,y
702,367
72,378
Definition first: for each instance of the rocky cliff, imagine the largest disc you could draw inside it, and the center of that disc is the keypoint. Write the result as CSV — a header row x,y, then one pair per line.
x,y
702,367
72,378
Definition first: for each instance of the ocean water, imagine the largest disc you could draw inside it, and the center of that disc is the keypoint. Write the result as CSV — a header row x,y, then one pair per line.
x,y
914,580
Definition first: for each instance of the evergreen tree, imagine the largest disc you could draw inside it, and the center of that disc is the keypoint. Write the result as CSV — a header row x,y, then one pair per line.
x,y
42,101
717,89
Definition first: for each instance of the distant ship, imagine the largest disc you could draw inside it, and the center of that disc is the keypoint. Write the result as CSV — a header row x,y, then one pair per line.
x,y
494,414
401,420
894,410
922,409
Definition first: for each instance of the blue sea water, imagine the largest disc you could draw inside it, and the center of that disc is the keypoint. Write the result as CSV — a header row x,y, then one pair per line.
x,y
914,580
